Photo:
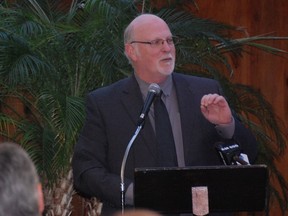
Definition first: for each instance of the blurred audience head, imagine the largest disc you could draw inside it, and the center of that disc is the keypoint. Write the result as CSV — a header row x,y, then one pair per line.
x,y
138,212
20,188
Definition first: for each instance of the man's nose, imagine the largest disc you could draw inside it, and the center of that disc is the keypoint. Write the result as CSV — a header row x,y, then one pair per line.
x,y
166,46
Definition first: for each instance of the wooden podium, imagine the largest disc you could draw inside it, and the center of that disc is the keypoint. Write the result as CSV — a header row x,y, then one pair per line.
x,y
218,188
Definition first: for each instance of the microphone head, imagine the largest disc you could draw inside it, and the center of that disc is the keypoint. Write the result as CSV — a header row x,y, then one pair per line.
x,y
154,88
227,151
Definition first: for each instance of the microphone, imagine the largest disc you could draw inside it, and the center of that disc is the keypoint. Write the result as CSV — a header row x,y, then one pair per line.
x,y
153,91
230,153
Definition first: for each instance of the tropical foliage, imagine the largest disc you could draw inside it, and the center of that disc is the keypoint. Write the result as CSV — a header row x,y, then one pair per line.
x,y
51,55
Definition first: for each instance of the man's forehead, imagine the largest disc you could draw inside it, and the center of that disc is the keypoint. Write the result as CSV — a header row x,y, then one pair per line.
x,y
150,25
147,19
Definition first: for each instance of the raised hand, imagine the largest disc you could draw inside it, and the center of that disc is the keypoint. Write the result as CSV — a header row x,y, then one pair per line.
x,y
215,109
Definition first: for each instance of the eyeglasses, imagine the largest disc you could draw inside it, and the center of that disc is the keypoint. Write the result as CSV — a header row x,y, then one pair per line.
x,y
158,43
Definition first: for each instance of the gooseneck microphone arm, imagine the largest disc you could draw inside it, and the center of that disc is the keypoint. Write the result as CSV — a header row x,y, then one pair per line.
x,y
122,184
153,90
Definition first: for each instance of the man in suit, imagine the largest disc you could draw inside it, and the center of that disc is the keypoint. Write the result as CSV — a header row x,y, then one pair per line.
x,y
199,116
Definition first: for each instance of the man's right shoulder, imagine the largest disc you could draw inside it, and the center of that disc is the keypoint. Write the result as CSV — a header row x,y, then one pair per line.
x,y
111,89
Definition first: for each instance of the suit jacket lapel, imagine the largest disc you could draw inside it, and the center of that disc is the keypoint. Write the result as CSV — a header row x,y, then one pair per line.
x,y
131,99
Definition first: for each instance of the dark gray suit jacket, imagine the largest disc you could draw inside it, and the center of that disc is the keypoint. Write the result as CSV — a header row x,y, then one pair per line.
x,y
112,114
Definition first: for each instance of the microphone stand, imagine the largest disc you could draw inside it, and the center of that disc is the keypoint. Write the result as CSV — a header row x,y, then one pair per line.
x,y
154,90
122,184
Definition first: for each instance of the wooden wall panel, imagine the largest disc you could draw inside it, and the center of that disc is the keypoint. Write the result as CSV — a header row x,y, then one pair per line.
x,y
263,71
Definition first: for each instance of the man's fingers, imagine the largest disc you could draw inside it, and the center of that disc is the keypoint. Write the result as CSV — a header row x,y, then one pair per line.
x,y
210,99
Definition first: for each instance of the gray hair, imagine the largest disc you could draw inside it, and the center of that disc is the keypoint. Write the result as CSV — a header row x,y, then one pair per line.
x,y
128,36
128,33
18,182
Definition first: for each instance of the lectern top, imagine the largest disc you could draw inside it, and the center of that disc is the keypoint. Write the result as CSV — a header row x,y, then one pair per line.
x,y
230,188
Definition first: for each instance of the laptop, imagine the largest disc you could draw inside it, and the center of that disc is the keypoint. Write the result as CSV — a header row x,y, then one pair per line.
x,y
228,188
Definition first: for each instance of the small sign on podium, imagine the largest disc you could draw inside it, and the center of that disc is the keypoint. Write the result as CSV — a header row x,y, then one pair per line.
x,y
200,201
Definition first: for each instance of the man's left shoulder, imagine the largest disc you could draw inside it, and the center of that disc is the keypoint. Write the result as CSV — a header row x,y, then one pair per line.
x,y
178,76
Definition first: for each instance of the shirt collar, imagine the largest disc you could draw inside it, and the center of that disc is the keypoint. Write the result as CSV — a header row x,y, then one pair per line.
x,y
165,86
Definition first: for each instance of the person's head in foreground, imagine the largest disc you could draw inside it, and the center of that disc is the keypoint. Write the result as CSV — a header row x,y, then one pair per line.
x,y
20,189
138,212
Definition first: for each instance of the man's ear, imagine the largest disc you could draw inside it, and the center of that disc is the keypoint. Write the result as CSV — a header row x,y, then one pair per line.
x,y
130,52
40,198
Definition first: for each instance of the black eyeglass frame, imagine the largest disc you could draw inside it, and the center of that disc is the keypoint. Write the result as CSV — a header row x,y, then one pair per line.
x,y
154,43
